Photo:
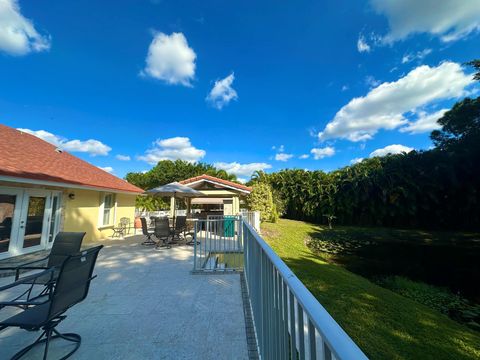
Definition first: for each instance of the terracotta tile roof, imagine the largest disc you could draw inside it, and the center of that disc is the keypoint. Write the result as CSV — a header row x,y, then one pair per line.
x,y
215,179
26,156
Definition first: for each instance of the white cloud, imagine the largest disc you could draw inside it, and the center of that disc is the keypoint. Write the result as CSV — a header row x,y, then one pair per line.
x,y
222,92
448,19
356,160
424,122
170,59
384,106
91,146
419,55
108,169
391,149
362,45
242,170
123,157
283,156
345,87
172,149
304,156
18,36
320,153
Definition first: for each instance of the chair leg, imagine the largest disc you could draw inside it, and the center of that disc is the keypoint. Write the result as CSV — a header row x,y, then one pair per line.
x,y
47,343
149,241
47,333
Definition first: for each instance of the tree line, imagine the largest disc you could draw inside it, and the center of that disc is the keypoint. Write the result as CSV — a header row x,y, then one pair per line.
x,y
438,188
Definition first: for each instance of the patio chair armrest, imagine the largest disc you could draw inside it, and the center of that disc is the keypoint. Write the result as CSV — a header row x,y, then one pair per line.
x,y
32,262
28,279
22,265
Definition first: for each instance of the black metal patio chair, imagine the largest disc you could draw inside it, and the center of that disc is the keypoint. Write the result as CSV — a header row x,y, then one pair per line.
x,y
147,233
72,287
180,227
162,232
64,245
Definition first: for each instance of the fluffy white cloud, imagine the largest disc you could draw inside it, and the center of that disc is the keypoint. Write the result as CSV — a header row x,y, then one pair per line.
x,y
170,59
362,45
172,149
123,157
242,170
384,106
222,92
108,169
91,146
304,156
356,160
424,122
283,156
391,149
448,19
419,55
18,36
320,153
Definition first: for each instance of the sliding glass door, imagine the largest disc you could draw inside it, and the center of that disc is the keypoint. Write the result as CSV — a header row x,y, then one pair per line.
x,y
29,220
10,208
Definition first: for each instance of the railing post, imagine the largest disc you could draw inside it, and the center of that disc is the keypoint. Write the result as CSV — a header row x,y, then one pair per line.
x,y
195,246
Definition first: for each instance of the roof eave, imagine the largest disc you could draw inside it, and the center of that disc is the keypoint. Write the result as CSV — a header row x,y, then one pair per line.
x,y
20,180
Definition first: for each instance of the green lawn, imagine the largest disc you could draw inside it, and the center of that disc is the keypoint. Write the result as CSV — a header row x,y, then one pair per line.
x,y
384,324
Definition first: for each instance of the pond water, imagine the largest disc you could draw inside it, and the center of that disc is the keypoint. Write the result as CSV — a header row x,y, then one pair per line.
x,y
449,265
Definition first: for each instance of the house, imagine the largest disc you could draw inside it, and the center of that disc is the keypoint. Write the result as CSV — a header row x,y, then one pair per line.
x,y
44,190
219,196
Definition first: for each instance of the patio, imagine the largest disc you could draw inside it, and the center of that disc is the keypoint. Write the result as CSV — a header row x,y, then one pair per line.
x,y
145,304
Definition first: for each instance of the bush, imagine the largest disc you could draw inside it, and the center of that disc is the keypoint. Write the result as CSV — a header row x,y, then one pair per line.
x,y
440,299
261,199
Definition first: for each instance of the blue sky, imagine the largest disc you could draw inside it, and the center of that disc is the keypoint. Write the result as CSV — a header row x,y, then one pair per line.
x,y
244,85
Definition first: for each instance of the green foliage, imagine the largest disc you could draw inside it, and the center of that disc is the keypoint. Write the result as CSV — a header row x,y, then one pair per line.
x,y
383,323
476,65
150,203
437,298
261,199
167,171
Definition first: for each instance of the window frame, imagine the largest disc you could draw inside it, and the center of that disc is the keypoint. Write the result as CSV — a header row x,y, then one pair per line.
x,y
113,211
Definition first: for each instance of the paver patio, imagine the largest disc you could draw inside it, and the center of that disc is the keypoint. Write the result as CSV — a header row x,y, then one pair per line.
x,y
145,304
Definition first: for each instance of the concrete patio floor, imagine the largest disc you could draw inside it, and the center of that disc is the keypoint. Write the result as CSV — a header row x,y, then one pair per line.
x,y
145,304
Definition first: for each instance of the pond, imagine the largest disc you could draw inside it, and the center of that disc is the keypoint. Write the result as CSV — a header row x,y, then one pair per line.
x,y
442,259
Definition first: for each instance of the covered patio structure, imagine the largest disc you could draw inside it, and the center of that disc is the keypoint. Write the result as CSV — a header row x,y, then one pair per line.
x,y
219,197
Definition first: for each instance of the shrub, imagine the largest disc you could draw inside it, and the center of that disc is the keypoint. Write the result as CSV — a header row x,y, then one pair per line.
x,y
261,199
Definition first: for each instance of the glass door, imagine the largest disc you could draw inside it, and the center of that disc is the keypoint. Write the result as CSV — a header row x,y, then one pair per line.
x,y
10,208
54,221
34,222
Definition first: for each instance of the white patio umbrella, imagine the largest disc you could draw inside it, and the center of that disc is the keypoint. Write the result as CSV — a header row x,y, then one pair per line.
x,y
175,190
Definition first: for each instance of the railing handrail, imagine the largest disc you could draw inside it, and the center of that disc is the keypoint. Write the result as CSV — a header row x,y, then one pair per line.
x,y
340,344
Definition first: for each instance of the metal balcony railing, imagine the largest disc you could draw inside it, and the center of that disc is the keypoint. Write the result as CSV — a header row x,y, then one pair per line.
x,y
288,320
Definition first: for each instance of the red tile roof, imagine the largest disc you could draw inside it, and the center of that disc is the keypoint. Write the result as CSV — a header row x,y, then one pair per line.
x,y
215,179
26,156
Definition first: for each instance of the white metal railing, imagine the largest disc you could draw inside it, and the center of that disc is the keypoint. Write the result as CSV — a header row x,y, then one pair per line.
x,y
289,322
218,244
251,217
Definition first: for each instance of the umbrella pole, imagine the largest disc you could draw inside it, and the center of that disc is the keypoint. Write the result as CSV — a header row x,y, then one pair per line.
x,y
174,209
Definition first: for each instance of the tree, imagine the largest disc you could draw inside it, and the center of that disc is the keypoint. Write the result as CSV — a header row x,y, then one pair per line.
x,y
476,65
460,124
167,171
261,199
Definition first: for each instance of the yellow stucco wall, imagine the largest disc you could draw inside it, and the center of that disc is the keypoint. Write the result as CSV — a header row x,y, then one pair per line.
x,y
82,213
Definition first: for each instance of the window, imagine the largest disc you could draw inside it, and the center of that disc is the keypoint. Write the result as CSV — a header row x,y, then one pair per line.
x,y
108,209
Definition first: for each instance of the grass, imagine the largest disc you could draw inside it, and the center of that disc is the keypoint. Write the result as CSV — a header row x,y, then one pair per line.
x,y
383,323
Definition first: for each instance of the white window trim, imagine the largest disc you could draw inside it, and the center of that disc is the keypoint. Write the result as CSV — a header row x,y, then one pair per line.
x,y
101,209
